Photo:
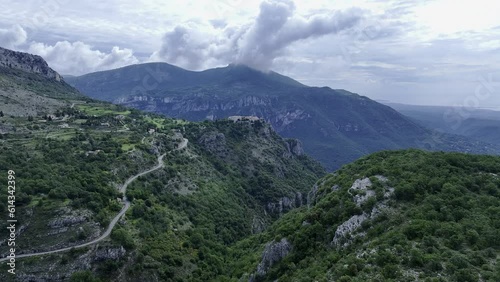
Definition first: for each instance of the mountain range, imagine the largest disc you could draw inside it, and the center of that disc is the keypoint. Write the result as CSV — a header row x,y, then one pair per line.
x,y
474,123
229,199
335,126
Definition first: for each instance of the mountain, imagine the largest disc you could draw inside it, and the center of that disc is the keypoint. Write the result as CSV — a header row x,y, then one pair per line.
x,y
108,193
28,63
139,79
391,216
335,126
123,195
478,124
29,87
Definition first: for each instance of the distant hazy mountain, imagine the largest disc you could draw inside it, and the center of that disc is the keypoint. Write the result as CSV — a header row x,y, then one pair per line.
x,y
335,126
479,124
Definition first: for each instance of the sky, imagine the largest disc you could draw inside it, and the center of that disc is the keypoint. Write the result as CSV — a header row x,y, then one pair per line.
x,y
424,52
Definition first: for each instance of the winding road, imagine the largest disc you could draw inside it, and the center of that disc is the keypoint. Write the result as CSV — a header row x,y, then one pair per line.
x,y
114,221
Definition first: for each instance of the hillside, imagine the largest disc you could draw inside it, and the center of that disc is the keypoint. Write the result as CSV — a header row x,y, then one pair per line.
x,y
391,216
230,180
29,87
335,126
108,193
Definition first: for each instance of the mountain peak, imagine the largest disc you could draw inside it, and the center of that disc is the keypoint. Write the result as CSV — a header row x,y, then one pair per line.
x,y
27,63
243,66
240,73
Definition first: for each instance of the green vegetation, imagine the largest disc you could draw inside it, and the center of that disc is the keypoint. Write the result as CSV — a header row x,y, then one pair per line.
x,y
99,110
238,203
440,224
183,218
68,172
13,78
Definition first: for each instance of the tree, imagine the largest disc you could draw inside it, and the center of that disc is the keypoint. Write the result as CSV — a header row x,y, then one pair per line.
x,y
83,276
123,238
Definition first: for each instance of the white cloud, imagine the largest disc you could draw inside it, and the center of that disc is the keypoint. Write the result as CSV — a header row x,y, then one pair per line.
x,y
12,37
257,44
449,16
439,45
80,58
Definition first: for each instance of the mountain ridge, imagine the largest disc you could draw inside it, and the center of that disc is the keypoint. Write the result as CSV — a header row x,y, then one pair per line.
x,y
27,62
29,87
391,216
478,124
335,126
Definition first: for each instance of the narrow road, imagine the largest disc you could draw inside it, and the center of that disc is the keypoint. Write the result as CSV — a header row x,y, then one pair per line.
x,y
113,222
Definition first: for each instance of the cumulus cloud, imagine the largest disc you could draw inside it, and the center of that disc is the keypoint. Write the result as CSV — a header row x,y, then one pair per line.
x,y
275,28
13,37
257,44
78,58
183,46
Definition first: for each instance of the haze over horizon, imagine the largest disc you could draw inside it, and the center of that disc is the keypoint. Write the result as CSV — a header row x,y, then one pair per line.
x,y
398,51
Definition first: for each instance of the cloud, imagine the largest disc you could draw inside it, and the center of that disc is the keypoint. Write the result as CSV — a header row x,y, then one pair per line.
x,y
78,58
257,44
399,50
65,57
13,37
276,27
183,46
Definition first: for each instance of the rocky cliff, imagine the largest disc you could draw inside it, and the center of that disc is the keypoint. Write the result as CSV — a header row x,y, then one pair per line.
x,y
28,63
273,253
29,87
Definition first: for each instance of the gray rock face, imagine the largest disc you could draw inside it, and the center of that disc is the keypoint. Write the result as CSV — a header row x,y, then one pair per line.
x,y
215,143
68,217
362,185
109,253
345,231
311,196
38,278
283,119
273,253
216,107
28,63
294,148
66,221
347,228
258,225
194,105
285,204
360,199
